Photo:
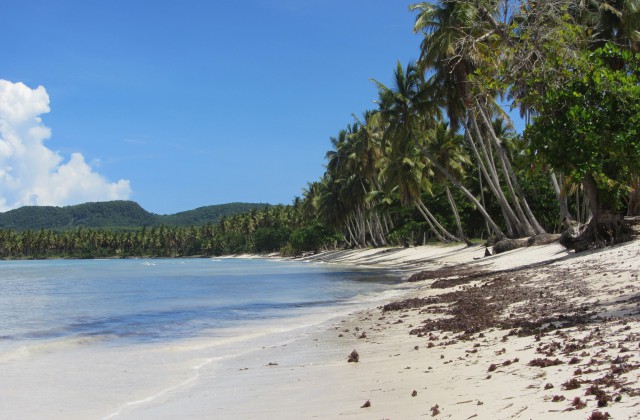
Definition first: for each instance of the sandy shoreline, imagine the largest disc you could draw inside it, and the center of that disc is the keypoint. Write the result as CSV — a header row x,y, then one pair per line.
x,y
494,358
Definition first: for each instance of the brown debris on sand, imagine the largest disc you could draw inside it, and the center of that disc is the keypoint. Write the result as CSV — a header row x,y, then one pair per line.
x,y
366,404
354,357
409,304
439,273
598,415
571,384
544,362
477,308
562,319
578,403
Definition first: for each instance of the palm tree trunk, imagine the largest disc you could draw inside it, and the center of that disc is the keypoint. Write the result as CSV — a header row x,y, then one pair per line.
x,y
441,228
353,239
562,199
384,221
483,171
372,235
496,188
456,215
483,202
532,223
429,222
362,233
379,229
466,192
633,205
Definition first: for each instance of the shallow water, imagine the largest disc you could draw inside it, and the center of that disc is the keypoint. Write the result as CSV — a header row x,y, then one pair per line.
x,y
134,301
93,337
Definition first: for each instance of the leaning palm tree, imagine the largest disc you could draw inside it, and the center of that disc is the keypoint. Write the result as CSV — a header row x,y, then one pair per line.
x,y
461,37
447,147
405,110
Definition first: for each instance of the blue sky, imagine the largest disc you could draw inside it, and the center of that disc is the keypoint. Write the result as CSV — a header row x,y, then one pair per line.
x,y
194,103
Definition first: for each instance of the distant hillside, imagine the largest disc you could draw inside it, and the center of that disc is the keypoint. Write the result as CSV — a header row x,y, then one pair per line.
x,y
212,214
113,214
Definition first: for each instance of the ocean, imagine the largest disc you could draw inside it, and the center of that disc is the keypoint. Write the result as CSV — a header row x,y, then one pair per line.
x,y
92,338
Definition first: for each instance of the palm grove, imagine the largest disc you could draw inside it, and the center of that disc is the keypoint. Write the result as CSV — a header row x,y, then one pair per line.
x,y
438,159
439,134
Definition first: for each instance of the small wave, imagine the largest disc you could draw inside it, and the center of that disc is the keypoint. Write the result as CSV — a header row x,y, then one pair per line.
x,y
50,346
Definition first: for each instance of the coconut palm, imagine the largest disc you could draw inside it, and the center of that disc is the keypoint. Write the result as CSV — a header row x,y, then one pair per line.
x,y
405,110
461,37
447,147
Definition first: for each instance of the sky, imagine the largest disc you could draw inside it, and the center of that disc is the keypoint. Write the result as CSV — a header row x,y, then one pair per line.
x,y
183,104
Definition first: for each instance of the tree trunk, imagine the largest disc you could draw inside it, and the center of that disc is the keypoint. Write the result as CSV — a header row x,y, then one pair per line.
x,y
372,235
351,220
603,229
429,222
529,220
494,183
456,215
441,228
486,224
633,206
382,233
562,200
466,192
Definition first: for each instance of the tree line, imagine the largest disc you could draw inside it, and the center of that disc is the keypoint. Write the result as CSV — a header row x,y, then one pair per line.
x,y
440,127
271,229
438,159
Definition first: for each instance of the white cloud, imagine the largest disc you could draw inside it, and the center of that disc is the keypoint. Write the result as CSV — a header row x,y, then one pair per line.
x,y
31,173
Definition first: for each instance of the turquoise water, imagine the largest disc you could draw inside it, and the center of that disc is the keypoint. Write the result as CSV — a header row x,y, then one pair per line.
x,y
100,338
144,300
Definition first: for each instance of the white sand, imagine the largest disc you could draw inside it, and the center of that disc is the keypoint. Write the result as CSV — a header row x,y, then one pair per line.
x,y
309,377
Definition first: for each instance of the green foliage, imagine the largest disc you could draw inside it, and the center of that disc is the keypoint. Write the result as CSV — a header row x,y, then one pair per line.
x,y
588,125
545,205
409,234
114,215
268,239
311,238
207,214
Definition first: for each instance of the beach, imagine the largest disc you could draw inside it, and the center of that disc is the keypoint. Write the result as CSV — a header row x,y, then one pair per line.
x,y
537,332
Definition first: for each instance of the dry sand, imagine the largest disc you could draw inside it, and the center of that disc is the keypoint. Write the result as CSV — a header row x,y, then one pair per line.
x,y
532,333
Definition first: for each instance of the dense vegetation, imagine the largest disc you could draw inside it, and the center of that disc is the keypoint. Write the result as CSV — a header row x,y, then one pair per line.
x,y
114,215
438,158
269,229
570,67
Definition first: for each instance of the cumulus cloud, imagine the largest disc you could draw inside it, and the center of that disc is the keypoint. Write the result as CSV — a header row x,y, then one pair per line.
x,y
31,173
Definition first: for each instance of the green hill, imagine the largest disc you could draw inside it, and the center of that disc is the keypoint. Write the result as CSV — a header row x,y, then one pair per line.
x,y
114,215
212,214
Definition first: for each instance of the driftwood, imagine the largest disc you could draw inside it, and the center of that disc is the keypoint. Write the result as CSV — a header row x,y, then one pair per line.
x,y
509,244
543,239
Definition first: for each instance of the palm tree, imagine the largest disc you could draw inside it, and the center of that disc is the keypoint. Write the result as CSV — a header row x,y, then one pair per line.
x,y
461,37
615,21
405,111
447,147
